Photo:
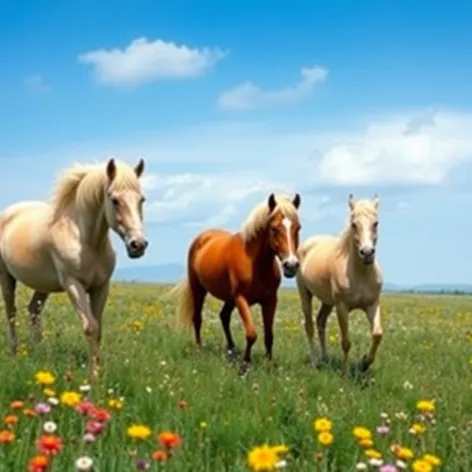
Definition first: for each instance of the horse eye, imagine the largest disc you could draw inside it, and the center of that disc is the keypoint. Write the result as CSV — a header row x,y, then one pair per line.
x,y
115,201
376,223
353,225
143,199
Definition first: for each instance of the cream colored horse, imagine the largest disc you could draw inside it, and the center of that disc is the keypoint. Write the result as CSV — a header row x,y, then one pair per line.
x,y
64,245
341,271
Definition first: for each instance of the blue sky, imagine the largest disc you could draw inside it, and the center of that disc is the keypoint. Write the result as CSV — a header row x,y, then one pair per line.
x,y
228,101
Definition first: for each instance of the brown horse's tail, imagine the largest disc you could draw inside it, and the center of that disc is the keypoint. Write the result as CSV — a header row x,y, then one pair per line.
x,y
185,302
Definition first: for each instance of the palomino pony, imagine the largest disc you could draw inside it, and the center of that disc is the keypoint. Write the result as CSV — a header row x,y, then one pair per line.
x,y
341,271
241,270
64,245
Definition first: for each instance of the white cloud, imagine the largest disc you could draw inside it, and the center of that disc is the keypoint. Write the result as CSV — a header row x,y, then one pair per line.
x,y
37,83
143,61
249,96
393,151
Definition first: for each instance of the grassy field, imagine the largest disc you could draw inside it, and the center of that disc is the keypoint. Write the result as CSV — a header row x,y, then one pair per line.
x,y
164,384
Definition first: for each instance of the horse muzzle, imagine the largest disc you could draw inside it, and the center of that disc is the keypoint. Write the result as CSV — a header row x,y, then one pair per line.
x,y
136,247
290,267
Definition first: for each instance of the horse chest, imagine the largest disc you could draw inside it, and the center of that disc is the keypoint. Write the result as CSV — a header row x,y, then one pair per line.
x,y
359,295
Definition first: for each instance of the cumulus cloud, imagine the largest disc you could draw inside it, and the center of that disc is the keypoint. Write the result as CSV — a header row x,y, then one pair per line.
x,y
249,96
37,83
143,61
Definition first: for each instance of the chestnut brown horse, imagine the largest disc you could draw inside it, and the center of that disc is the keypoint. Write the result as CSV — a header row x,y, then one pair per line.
x,y
241,269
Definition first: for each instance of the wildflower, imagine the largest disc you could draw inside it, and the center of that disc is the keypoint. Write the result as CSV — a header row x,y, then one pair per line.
x,y
94,427
383,430
401,465
38,463
373,454
42,408
425,406
85,388
29,413
49,392
388,468
203,425
169,440
262,458
142,464
183,404
50,427
53,401
417,428
433,460
44,377
115,403
159,456
10,420
6,437
360,432
325,438
101,415
322,424
404,453
17,405
89,438
361,466
84,463
374,462
420,465
138,431
49,444
71,399
84,408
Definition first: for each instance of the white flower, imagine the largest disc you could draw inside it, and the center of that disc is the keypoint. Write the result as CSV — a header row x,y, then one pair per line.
x,y
375,462
281,464
84,463
50,427
53,401
401,465
85,388
361,466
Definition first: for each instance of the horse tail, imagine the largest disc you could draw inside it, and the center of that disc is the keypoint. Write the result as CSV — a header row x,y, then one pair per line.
x,y
185,302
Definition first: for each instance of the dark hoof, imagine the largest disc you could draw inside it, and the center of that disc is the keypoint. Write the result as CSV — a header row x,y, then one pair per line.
x,y
243,369
364,364
232,355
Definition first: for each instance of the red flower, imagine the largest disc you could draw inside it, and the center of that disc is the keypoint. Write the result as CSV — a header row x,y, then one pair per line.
x,y
85,408
38,463
169,439
101,415
49,444
183,404
159,456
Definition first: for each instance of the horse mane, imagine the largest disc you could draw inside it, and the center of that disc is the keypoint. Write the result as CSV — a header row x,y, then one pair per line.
x,y
83,185
259,216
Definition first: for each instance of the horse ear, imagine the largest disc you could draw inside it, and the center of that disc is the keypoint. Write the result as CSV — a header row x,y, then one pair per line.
x,y
111,169
297,200
139,169
271,202
351,201
376,201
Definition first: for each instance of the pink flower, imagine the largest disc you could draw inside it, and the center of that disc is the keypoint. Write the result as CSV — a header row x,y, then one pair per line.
x,y
94,427
42,408
85,408
383,430
388,468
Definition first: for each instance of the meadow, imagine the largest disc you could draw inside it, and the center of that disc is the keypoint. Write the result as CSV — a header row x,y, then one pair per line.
x,y
192,412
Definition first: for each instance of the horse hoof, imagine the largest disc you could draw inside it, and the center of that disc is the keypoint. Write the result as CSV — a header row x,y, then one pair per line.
x,y
243,369
364,364
231,355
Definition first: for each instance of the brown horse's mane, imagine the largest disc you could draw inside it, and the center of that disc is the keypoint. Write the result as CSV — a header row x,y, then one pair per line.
x,y
259,216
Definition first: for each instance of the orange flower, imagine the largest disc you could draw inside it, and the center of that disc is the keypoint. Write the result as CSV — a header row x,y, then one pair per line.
x,y
6,437
49,444
17,405
29,413
38,463
159,456
183,404
10,420
169,439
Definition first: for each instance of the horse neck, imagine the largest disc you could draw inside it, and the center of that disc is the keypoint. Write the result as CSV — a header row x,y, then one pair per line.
x,y
93,225
259,249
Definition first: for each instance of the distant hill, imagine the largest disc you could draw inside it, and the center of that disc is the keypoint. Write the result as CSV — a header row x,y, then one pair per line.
x,y
171,273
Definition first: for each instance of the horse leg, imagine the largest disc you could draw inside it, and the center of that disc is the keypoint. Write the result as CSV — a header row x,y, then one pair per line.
x,y
35,307
343,320
225,317
98,299
198,293
268,313
249,329
321,319
306,299
8,284
78,297
373,315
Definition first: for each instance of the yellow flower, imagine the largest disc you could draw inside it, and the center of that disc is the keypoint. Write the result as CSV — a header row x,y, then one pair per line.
x,y
70,398
433,460
263,458
420,465
115,403
139,431
203,425
425,406
418,428
325,438
281,449
322,424
44,377
404,453
49,392
366,443
360,432
373,454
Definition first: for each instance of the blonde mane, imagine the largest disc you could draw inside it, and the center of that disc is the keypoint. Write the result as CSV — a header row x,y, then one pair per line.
x,y
259,216
83,185
362,208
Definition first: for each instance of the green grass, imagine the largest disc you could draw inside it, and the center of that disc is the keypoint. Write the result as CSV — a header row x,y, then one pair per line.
x,y
424,355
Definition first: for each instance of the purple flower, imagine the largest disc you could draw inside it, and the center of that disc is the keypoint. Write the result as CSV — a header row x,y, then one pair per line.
x,y
388,468
42,408
142,464
383,430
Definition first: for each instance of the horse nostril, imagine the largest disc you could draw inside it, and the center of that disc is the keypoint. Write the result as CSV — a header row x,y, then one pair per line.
x,y
133,244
